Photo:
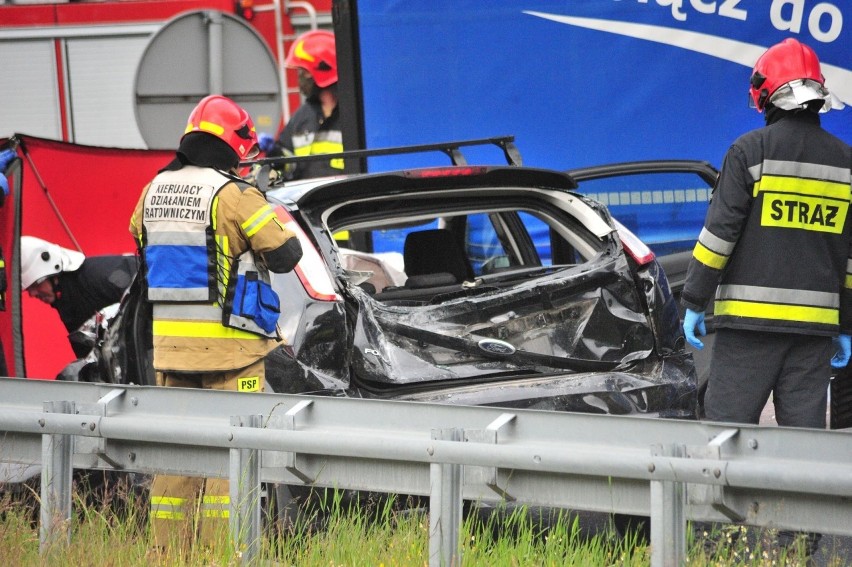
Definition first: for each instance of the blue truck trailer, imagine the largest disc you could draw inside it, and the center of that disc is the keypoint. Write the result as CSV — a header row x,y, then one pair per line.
x,y
578,84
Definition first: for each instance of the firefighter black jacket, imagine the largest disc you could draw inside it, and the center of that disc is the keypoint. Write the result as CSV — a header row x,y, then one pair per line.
x,y
775,247
100,281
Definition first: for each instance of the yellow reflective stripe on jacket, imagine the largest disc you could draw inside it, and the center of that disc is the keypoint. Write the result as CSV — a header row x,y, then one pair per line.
x,y
778,295
214,212
711,250
708,257
783,168
848,282
326,147
777,312
223,263
799,186
168,508
258,220
779,304
713,242
200,330
319,147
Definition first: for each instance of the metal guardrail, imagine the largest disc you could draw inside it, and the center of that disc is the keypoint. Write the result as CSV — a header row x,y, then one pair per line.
x,y
669,470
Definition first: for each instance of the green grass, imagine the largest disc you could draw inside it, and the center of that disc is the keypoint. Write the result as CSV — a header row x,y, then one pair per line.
x,y
378,534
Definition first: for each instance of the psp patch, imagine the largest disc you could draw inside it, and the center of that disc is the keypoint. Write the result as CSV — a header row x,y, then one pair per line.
x,y
249,384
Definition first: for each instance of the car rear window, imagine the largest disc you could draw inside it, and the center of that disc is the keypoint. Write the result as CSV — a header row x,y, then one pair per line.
x,y
490,241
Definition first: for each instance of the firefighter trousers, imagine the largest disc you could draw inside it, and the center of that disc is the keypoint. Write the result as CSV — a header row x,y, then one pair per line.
x,y
188,509
746,367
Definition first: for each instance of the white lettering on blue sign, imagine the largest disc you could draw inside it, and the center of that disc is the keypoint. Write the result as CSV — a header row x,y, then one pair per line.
x,y
788,15
824,19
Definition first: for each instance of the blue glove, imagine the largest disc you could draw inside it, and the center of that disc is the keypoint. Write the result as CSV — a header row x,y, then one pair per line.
x,y
691,321
6,157
266,142
843,349
4,186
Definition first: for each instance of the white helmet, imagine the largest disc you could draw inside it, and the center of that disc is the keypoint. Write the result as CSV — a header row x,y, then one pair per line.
x,y
40,259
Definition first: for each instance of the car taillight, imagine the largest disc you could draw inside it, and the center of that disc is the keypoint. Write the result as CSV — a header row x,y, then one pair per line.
x,y
456,171
637,249
310,269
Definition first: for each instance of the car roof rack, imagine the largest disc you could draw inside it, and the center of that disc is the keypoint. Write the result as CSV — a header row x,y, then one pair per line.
x,y
452,149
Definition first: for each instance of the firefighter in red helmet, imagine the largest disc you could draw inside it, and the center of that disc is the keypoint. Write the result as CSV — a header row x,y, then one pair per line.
x,y
775,253
315,126
208,241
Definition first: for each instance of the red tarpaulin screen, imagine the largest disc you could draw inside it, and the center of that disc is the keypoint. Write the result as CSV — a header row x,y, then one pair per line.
x,y
80,197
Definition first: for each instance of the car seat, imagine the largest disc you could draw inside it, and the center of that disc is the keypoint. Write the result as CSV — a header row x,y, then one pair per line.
x,y
433,257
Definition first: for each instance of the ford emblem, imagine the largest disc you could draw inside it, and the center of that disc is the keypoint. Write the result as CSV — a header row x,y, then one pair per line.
x,y
495,346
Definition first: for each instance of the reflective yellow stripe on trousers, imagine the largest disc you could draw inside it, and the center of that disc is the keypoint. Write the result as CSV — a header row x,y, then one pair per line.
x,y
168,508
216,506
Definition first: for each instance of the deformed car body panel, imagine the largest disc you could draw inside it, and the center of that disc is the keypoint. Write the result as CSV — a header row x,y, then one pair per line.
x,y
573,319
661,388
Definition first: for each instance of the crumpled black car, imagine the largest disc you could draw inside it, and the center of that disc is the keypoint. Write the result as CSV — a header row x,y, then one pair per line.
x,y
497,285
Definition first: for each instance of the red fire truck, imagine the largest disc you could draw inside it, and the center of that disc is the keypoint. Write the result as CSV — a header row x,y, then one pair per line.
x,y
126,73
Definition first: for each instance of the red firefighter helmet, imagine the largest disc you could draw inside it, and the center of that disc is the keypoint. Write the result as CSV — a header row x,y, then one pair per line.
x,y
228,121
783,62
315,52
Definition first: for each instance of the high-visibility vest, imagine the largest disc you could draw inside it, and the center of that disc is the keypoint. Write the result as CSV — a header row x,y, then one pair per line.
x,y
178,245
190,277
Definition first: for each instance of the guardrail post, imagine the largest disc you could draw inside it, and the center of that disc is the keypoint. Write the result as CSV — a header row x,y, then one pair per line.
x,y
100,409
714,495
245,492
445,506
290,458
56,473
487,475
668,515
